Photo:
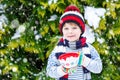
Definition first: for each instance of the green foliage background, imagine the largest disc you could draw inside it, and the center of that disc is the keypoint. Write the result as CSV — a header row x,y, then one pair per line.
x,y
25,58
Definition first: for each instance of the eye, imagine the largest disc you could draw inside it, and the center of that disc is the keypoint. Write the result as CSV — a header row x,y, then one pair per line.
x,y
74,28
65,28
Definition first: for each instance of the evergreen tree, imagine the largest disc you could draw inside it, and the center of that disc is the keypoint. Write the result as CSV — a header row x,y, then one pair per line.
x,y
29,35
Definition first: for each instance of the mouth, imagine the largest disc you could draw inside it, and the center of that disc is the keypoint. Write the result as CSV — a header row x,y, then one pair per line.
x,y
71,36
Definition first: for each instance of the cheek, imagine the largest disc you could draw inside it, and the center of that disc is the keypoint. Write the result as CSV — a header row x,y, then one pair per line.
x,y
79,31
64,32
78,34
64,35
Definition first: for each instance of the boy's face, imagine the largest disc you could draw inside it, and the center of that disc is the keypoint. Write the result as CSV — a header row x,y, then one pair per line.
x,y
71,31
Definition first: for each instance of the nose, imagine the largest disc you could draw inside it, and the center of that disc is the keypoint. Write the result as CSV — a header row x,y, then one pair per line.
x,y
70,30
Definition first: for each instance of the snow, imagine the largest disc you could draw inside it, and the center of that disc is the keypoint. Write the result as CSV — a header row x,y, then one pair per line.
x,y
25,60
89,34
0,71
23,77
19,30
3,21
111,32
53,18
16,35
100,40
93,15
50,1
14,69
38,36
1,26
1,8
14,23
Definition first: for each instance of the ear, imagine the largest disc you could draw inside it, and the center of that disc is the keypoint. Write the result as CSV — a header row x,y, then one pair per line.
x,y
80,32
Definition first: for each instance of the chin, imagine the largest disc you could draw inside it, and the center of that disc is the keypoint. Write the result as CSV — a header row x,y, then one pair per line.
x,y
72,40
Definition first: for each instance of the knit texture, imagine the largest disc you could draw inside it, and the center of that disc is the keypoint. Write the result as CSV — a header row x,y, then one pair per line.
x,y
72,14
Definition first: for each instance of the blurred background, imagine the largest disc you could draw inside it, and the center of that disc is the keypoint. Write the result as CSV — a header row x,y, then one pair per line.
x,y
29,32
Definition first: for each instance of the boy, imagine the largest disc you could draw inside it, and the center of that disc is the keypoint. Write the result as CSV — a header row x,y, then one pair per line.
x,y
72,27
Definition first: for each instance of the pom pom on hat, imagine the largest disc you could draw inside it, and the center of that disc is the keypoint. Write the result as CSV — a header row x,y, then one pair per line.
x,y
72,8
72,14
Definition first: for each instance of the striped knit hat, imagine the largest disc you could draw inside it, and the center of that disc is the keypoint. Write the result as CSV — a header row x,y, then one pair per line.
x,y
72,14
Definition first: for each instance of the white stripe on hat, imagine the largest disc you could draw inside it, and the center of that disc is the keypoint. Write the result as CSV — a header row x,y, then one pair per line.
x,y
72,12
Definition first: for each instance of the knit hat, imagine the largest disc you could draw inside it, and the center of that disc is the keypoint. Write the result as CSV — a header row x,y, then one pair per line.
x,y
72,14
